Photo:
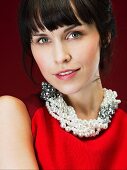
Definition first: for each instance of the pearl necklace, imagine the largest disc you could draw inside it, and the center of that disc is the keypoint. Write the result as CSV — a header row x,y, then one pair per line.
x,y
68,119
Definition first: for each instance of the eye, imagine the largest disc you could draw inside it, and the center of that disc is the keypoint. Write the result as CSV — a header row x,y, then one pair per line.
x,y
74,35
43,40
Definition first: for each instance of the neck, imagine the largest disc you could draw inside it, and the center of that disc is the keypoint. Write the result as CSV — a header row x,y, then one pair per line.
x,y
87,101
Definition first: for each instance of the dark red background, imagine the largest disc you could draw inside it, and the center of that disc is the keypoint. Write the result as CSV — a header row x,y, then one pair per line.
x,y
13,80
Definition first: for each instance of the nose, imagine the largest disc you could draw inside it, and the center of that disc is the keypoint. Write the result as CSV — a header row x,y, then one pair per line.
x,y
62,54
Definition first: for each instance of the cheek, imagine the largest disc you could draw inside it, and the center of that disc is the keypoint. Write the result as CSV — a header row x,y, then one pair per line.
x,y
93,54
41,59
88,54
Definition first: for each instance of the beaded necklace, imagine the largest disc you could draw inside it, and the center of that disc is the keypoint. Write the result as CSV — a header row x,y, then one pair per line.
x,y
68,119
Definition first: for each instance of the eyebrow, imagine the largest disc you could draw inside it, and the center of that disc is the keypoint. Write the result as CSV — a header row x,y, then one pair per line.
x,y
39,34
65,30
70,27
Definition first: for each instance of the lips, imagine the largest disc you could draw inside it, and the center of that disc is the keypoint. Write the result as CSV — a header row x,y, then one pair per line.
x,y
66,74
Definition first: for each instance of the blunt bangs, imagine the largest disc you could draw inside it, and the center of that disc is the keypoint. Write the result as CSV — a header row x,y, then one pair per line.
x,y
57,14
52,14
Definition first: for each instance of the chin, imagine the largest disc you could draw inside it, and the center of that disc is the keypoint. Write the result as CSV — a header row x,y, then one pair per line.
x,y
69,90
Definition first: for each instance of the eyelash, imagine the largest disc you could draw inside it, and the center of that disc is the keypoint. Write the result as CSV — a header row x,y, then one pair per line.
x,y
77,33
42,38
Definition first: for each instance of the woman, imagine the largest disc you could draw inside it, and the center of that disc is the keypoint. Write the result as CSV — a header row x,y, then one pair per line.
x,y
77,122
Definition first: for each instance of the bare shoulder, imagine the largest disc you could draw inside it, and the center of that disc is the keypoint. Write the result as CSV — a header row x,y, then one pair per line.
x,y
15,135
9,98
11,102
13,111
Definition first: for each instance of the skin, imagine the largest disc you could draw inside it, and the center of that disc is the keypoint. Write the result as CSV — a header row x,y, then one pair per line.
x,y
71,47
16,151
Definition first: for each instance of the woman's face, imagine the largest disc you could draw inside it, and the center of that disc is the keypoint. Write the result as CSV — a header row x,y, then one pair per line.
x,y
68,57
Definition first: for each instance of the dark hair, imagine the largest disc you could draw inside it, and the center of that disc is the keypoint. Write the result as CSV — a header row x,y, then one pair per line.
x,y
51,14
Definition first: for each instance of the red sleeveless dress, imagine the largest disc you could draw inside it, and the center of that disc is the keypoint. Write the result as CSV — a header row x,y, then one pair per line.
x,y
57,149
